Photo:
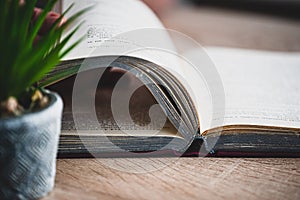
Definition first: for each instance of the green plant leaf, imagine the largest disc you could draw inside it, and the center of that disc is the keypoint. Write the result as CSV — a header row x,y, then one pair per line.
x,y
23,64
59,76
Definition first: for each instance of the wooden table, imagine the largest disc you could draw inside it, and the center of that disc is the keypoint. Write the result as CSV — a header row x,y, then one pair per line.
x,y
195,178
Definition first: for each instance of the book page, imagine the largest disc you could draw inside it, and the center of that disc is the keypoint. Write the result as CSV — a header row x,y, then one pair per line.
x,y
261,88
105,20
114,27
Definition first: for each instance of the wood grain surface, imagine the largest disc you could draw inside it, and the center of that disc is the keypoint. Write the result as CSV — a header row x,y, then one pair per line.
x,y
195,178
180,178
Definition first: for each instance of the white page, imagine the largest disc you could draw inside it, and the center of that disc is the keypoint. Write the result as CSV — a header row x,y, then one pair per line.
x,y
261,88
246,74
106,19
126,27
121,27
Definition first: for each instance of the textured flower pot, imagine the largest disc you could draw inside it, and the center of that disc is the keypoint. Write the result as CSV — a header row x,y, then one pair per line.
x,y
28,148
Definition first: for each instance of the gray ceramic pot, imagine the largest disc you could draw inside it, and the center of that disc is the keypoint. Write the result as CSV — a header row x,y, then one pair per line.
x,y
28,148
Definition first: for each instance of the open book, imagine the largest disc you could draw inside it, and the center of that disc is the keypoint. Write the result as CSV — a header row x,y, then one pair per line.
x,y
237,103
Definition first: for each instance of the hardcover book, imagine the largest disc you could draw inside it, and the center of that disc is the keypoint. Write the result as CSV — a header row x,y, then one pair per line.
x,y
133,88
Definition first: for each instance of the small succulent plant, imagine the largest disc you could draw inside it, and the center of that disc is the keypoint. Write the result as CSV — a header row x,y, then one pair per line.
x,y
23,63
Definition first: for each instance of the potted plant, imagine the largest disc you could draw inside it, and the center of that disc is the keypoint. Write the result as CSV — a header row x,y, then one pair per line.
x,y
30,116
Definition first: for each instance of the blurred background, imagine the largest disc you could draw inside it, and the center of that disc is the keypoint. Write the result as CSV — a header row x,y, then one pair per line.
x,y
287,8
254,24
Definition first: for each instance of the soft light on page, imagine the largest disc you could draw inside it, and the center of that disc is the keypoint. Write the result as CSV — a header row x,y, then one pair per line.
x,y
261,88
